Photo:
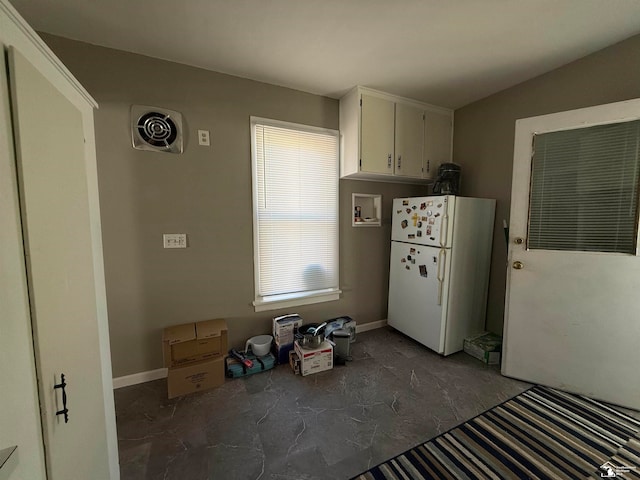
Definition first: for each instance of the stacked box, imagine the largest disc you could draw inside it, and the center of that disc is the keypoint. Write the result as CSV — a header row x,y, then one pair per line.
x,y
486,347
194,356
284,329
314,360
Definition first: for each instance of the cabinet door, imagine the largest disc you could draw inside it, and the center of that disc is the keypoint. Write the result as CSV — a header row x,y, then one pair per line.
x,y
376,135
49,140
437,141
409,140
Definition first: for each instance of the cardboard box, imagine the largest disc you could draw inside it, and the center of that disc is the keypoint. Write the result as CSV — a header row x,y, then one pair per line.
x,y
194,342
281,352
195,377
486,347
285,327
316,360
294,362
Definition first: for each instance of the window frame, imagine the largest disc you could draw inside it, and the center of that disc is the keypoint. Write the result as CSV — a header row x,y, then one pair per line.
x,y
287,300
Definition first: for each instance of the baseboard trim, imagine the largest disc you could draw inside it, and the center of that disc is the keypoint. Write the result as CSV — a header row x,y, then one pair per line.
x,y
365,327
142,377
137,378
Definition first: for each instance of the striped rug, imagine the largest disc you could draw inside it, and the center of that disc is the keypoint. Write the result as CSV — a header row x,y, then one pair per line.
x,y
541,433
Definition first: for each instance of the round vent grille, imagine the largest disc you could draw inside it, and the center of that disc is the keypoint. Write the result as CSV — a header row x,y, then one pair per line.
x,y
157,129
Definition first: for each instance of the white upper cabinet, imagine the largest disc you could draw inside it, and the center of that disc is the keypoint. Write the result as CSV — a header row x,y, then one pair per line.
x,y
392,139
409,141
438,133
376,133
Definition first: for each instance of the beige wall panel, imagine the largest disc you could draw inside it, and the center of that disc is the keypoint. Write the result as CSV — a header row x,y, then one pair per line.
x,y
484,134
206,193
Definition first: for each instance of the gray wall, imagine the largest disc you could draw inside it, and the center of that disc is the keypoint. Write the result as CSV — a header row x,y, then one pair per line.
x,y
206,193
484,133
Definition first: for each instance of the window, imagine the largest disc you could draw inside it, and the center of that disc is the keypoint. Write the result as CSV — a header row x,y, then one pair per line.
x,y
295,211
584,189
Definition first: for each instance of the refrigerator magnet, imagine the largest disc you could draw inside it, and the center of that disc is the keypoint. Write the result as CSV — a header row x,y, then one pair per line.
x,y
419,233
423,270
405,202
408,267
411,235
408,257
404,224
403,260
412,251
437,215
413,207
408,210
419,224
428,230
439,205
398,211
413,261
423,206
432,221
429,213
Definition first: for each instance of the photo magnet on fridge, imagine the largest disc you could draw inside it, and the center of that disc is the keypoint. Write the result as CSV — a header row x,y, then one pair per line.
x,y
423,270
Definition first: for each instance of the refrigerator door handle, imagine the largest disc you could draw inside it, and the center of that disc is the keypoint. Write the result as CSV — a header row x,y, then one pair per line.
x,y
444,229
442,260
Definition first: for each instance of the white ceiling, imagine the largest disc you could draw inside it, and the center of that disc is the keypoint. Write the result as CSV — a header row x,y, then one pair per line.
x,y
444,52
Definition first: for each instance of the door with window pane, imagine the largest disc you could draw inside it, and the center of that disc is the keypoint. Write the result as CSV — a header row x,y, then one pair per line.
x,y
572,312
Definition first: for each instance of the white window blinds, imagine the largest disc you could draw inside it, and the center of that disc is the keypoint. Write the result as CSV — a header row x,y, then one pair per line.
x,y
295,175
584,189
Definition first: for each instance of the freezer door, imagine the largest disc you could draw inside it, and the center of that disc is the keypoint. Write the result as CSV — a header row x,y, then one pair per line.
x,y
423,220
418,294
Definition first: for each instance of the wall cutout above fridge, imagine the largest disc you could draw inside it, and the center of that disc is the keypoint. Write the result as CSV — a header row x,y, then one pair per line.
x,y
439,271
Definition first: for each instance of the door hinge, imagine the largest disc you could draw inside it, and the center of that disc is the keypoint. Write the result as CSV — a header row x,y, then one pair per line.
x,y
360,163
360,102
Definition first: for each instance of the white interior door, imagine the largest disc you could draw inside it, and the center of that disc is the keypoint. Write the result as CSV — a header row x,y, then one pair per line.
x,y
573,281
55,212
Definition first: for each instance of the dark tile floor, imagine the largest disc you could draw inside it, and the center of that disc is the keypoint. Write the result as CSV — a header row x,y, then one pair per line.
x,y
331,425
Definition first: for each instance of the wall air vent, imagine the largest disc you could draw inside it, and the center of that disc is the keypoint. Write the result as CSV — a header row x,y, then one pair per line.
x,y
156,129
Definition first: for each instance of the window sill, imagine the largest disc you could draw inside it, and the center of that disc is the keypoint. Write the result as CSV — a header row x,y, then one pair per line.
x,y
295,299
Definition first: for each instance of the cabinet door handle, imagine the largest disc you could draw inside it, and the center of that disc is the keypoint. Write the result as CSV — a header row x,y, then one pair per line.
x,y
65,411
399,161
389,161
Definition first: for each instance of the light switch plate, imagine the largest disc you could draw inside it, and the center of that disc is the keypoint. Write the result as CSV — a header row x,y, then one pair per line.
x,y
174,240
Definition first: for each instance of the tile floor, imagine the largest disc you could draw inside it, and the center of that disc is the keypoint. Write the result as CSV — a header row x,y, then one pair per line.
x,y
331,425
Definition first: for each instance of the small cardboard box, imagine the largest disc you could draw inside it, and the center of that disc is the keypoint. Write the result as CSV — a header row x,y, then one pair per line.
x,y
294,362
195,377
316,360
485,347
285,327
194,342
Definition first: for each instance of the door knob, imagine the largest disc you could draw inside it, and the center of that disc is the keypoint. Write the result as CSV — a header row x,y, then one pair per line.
x,y
518,265
519,241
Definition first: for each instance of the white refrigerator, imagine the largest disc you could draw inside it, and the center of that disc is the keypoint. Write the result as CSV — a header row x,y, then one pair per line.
x,y
439,271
